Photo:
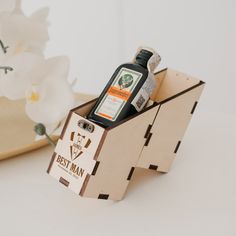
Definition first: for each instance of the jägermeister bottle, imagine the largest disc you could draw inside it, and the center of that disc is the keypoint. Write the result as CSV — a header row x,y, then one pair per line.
x,y
128,90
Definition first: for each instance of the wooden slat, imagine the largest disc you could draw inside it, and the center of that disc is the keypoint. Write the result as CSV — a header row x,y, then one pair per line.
x,y
168,130
119,153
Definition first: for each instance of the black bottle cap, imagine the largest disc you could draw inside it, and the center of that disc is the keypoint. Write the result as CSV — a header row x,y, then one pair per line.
x,y
143,57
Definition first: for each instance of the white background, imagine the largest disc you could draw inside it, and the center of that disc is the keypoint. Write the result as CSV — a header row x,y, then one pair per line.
x,y
196,37
197,197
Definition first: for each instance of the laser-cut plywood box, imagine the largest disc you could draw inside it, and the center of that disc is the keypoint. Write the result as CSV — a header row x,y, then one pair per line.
x,y
99,162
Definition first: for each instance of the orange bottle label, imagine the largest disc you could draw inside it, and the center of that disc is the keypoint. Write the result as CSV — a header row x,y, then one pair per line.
x,y
118,94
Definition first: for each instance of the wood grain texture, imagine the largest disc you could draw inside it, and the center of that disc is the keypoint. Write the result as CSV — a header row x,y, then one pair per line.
x,y
118,155
168,130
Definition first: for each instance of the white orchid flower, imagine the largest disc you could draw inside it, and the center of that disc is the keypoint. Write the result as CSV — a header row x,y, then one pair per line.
x,y
48,100
21,39
16,73
24,73
24,34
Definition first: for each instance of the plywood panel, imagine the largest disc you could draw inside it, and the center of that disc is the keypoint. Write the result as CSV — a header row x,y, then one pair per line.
x,y
118,155
173,83
168,130
74,156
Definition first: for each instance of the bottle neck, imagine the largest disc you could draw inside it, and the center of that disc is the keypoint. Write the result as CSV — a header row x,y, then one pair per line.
x,y
142,58
141,63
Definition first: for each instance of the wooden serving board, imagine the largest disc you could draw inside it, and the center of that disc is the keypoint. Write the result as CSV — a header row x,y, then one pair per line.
x,y
16,129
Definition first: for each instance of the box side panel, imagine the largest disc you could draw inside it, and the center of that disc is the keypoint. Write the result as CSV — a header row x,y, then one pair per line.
x,y
168,130
159,77
84,109
173,83
73,159
118,157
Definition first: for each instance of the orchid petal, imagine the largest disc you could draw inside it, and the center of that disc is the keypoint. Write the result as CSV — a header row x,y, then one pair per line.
x,y
22,33
55,95
7,5
58,66
40,15
14,83
54,104
17,8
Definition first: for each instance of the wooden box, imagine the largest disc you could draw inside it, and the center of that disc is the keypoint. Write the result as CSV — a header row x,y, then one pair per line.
x,y
99,163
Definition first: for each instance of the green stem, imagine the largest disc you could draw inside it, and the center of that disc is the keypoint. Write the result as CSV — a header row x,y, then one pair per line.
x,y
40,129
50,140
6,68
4,48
